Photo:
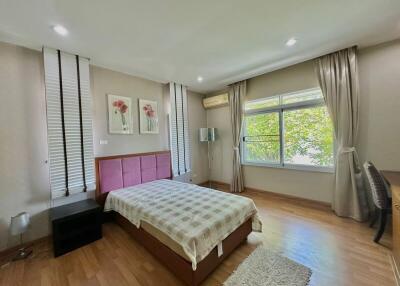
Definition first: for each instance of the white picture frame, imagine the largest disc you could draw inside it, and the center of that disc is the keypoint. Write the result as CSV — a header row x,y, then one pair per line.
x,y
148,117
120,119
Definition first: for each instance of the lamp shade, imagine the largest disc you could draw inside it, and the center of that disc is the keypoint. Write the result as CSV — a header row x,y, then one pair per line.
x,y
207,134
19,223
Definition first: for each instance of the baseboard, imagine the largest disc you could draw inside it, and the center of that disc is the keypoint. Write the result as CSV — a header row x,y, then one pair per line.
x,y
203,184
7,253
221,184
395,269
303,201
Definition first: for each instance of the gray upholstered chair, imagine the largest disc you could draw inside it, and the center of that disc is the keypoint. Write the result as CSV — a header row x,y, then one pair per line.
x,y
380,196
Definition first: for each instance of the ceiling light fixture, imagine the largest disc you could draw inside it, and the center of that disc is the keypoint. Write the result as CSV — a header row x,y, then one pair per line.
x,y
60,30
291,42
199,78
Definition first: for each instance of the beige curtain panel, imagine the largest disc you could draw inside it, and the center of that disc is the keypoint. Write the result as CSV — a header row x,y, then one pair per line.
x,y
338,78
237,94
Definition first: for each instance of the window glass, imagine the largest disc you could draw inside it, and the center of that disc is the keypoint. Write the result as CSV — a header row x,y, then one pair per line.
x,y
262,103
261,142
302,96
308,137
306,128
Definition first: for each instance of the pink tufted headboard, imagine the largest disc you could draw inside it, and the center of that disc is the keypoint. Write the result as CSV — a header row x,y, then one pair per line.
x,y
116,172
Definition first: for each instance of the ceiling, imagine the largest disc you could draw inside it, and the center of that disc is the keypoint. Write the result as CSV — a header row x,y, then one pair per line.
x,y
178,40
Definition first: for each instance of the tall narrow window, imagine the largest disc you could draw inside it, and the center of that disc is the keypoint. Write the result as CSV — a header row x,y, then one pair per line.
x,y
69,123
179,130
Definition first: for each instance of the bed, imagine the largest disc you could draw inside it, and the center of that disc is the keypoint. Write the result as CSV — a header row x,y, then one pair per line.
x,y
190,229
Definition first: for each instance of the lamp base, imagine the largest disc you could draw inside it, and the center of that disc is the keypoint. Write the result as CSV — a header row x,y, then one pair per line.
x,y
23,253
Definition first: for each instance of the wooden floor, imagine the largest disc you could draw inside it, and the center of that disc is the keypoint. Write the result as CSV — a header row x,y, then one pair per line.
x,y
339,252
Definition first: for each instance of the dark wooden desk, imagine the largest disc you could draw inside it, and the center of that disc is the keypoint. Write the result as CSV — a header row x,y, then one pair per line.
x,y
393,178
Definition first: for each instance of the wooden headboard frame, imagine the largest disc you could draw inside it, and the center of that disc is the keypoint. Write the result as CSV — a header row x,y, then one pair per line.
x,y
99,195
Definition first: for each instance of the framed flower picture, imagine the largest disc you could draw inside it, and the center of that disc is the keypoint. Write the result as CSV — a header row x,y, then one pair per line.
x,y
120,120
148,117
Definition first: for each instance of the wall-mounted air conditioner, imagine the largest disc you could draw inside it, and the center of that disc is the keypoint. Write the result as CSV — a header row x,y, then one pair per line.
x,y
216,101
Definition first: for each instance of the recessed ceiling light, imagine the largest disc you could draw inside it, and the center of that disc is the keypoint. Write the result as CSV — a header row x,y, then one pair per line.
x,y
291,42
60,30
199,78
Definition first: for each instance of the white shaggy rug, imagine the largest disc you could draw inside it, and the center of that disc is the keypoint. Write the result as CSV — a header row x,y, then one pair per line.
x,y
266,268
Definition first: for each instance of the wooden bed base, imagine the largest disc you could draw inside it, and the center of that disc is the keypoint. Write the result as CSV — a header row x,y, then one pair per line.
x,y
177,264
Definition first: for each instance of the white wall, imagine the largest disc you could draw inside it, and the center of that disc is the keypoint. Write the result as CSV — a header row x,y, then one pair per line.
x,y
24,182
197,119
103,82
379,136
24,175
306,184
221,149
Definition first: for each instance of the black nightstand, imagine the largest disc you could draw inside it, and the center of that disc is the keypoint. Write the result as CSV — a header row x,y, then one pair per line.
x,y
75,225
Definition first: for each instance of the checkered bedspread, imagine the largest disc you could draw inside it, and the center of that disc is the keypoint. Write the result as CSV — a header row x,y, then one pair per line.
x,y
196,218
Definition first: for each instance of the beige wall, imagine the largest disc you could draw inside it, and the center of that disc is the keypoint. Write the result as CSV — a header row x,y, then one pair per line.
x,y
24,179
221,149
24,182
306,184
197,119
293,78
379,136
311,185
103,82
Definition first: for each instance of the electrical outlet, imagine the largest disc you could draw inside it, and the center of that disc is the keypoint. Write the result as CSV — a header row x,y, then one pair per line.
x,y
103,142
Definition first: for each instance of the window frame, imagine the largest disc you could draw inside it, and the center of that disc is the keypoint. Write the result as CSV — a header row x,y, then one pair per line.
x,y
280,109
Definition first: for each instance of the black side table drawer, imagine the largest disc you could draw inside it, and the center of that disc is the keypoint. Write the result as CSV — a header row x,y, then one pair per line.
x,y
75,225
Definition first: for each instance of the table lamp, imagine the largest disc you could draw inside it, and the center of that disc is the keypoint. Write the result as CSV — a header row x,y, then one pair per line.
x,y
19,225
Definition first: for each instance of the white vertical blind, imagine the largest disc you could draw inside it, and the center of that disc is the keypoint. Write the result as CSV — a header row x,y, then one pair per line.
x,y
69,123
186,129
72,122
174,131
179,129
87,127
54,126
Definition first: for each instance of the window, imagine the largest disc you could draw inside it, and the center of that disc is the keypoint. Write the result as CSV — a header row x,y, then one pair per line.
x,y
290,130
179,130
262,138
69,123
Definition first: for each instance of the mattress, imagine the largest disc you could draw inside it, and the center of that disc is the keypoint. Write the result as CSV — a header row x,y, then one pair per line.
x,y
185,217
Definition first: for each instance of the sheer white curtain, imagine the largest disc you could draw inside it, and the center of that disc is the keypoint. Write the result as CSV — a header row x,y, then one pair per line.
x,y
237,94
338,78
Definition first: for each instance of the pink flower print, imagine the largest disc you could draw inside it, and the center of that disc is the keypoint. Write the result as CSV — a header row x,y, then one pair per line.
x,y
121,107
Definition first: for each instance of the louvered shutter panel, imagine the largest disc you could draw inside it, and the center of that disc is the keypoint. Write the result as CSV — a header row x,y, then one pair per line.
x,y
174,132
72,122
69,123
179,130
54,125
87,125
186,130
